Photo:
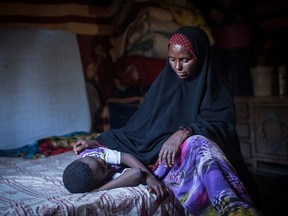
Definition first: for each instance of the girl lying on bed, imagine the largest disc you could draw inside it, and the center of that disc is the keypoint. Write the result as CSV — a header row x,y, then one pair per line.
x,y
209,186
99,169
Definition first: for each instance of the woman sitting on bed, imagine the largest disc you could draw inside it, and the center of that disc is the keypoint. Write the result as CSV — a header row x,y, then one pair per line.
x,y
187,122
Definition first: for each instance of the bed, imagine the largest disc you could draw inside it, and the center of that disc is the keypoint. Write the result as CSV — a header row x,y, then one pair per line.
x,y
43,96
34,187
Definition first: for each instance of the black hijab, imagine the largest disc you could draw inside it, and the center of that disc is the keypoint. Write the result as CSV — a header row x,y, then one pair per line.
x,y
204,102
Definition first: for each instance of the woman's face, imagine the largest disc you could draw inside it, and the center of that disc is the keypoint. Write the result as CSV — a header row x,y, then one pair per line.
x,y
181,61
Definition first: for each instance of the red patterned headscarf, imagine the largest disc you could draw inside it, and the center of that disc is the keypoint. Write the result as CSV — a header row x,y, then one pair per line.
x,y
179,39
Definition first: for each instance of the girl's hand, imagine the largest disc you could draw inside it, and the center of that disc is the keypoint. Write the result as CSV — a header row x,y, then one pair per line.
x,y
155,186
81,145
171,148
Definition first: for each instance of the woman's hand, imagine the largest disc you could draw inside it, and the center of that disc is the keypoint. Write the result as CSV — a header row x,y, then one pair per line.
x,y
81,145
155,186
171,148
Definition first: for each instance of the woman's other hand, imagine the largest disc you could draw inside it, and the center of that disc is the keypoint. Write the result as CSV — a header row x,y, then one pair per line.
x,y
81,145
171,148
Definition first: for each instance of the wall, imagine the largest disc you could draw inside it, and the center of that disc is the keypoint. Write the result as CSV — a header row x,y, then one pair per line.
x,y
90,20
250,33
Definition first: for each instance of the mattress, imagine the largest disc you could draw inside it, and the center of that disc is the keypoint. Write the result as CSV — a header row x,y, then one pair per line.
x,y
43,90
35,187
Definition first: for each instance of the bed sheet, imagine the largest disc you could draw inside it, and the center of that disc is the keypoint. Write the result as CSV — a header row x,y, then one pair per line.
x,y
34,187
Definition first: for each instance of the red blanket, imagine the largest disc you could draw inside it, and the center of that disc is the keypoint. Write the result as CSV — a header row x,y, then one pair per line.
x,y
138,71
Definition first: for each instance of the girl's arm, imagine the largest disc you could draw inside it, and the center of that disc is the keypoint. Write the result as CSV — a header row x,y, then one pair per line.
x,y
129,178
153,183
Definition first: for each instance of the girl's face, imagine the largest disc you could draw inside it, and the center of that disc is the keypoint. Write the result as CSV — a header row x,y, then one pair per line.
x,y
98,166
182,61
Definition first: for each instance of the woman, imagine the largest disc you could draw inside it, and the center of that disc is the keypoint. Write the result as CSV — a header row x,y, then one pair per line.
x,y
190,97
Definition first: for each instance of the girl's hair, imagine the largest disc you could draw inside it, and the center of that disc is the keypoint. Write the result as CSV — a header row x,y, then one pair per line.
x,y
78,178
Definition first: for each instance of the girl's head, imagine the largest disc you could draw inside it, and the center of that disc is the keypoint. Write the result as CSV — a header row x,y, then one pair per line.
x,y
85,174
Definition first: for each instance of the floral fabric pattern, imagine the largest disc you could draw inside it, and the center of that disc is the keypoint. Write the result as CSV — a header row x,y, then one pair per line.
x,y
203,180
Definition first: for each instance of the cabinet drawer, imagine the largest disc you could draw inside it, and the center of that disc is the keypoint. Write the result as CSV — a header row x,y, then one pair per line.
x,y
271,131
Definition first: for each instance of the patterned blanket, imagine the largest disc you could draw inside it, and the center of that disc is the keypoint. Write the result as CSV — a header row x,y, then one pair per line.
x,y
48,146
34,187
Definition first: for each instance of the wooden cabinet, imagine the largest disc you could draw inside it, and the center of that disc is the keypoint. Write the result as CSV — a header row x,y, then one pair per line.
x,y
262,125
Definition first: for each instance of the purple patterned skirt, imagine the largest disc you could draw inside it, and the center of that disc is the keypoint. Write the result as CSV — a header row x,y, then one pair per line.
x,y
204,181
